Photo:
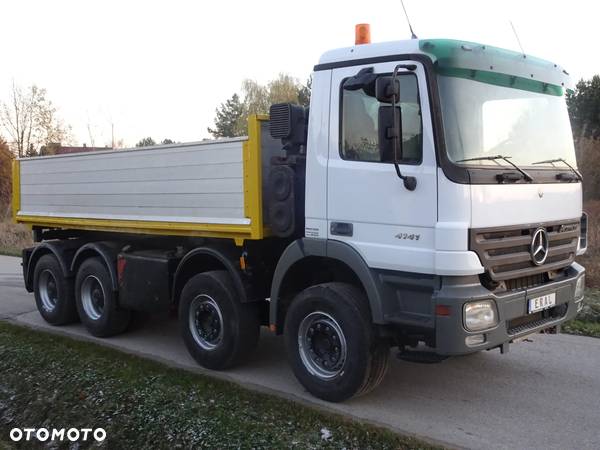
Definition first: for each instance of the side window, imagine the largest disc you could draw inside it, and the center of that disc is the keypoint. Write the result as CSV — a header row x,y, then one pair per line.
x,y
359,133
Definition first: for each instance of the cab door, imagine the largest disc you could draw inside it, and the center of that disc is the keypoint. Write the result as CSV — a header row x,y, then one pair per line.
x,y
367,204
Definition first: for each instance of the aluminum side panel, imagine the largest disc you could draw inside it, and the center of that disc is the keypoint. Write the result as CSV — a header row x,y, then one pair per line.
x,y
198,183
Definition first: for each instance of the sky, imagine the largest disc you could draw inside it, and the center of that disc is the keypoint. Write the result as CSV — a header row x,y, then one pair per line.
x,y
159,69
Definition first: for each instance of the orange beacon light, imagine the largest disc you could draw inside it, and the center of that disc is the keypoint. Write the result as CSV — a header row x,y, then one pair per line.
x,y
362,34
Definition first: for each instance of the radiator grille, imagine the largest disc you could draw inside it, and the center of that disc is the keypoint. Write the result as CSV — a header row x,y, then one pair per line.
x,y
505,252
526,282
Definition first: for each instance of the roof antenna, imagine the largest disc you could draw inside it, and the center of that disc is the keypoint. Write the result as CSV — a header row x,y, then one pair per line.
x,y
413,35
518,40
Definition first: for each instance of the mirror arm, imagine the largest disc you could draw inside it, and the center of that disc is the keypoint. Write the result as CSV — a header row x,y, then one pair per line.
x,y
410,183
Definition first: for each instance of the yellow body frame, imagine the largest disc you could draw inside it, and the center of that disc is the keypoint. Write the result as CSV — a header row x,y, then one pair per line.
x,y
16,188
253,208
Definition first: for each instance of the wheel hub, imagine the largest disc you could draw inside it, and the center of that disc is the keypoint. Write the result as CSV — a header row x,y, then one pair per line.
x,y
48,290
206,322
322,345
92,297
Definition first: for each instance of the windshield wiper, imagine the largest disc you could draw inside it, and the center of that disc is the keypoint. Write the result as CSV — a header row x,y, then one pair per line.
x,y
502,157
562,160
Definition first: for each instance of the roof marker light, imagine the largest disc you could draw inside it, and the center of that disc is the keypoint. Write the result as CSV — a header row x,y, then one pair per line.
x,y
362,34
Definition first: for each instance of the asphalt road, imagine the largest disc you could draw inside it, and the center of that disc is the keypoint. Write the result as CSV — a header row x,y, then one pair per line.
x,y
543,394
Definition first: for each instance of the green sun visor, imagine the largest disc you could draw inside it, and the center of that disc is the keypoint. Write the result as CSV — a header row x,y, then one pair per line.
x,y
496,66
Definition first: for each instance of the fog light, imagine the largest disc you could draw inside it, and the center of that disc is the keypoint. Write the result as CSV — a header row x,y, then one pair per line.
x,y
480,315
476,339
580,288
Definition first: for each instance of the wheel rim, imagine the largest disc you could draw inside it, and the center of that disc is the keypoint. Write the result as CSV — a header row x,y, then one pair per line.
x,y
92,297
322,345
48,290
206,322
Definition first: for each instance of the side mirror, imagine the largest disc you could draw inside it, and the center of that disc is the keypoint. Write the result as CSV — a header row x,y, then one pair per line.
x,y
389,132
387,90
364,79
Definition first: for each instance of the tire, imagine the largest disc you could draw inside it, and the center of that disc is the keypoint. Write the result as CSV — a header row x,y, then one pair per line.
x,y
97,301
218,330
53,292
331,344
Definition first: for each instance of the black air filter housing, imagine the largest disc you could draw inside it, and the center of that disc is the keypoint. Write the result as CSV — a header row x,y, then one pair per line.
x,y
288,122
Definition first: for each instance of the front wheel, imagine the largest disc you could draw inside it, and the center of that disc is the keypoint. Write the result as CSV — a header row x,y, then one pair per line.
x,y
331,344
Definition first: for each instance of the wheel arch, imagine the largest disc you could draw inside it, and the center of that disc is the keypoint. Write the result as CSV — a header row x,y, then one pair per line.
x,y
303,259
107,251
62,250
202,259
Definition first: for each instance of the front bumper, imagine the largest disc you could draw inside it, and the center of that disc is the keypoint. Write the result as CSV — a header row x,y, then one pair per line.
x,y
513,319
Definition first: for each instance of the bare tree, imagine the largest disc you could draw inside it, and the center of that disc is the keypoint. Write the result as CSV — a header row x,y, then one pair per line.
x,y
30,121
284,89
256,97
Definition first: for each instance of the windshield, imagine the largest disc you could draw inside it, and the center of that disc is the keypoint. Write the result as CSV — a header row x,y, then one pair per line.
x,y
482,119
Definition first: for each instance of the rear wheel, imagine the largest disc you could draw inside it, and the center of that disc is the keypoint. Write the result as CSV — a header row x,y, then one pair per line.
x,y
53,292
331,343
97,301
218,330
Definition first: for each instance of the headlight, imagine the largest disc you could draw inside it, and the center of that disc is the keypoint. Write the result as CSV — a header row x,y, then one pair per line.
x,y
480,315
580,287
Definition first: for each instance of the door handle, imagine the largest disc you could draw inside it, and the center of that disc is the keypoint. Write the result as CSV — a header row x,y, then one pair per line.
x,y
341,228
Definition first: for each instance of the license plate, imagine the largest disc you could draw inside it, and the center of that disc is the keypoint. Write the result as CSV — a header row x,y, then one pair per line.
x,y
540,303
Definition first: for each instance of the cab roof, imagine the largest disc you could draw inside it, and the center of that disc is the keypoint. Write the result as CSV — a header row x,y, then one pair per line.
x,y
462,58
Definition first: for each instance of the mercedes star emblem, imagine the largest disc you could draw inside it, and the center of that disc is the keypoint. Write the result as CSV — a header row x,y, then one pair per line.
x,y
539,246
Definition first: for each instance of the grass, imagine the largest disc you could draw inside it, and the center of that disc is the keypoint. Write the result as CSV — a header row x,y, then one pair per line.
x,y
582,328
9,251
587,322
13,238
51,381
591,259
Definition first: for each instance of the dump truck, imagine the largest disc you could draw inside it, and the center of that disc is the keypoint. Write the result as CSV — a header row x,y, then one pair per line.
x,y
427,201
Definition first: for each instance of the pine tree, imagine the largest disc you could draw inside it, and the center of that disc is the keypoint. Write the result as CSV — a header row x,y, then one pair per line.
x,y
146,142
228,122
304,93
584,108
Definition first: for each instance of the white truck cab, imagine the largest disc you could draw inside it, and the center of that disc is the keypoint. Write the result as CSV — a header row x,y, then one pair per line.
x,y
447,117
481,251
